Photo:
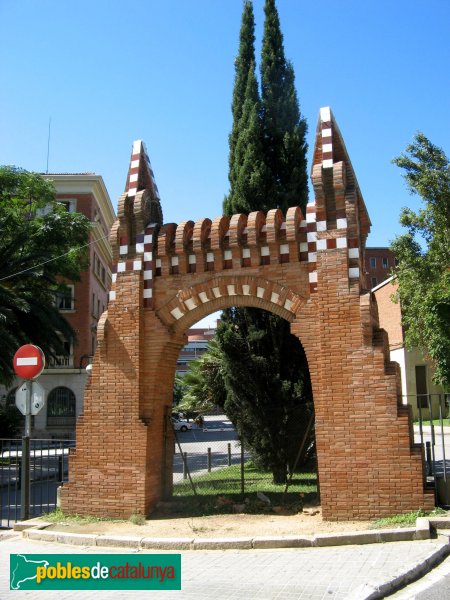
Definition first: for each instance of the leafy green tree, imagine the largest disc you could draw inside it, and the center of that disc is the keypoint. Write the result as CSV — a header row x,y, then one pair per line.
x,y
203,385
11,422
284,129
178,390
42,246
423,253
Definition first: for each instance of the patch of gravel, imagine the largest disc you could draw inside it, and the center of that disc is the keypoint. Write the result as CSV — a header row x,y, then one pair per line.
x,y
224,525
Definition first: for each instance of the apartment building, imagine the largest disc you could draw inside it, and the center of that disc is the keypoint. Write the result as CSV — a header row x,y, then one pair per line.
x,y
416,370
198,340
82,303
378,263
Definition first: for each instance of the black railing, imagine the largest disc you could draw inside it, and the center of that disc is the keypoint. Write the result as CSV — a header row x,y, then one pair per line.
x,y
48,470
431,425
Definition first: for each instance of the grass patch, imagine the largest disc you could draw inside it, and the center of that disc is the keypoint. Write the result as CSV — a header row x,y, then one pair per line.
x,y
58,516
137,519
407,519
219,490
436,422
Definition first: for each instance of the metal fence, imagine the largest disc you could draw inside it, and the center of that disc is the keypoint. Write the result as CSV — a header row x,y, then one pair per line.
x,y
48,469
431,426
211,465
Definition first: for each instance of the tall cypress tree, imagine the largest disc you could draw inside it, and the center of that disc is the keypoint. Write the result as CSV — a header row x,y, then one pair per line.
x,y
247,191
284,129
244,63
264,367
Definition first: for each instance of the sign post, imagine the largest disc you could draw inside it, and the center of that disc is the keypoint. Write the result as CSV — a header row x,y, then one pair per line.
x,y
28,363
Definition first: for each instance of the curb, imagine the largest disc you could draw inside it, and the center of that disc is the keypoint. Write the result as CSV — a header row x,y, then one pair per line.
x,y
422,531
377,592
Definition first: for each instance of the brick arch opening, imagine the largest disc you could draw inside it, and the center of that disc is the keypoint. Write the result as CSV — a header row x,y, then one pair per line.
x,y
161,387
193,303
307,267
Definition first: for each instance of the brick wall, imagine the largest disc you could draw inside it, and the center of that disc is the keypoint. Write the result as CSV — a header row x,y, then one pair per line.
x,y
390,314
378,264
305,268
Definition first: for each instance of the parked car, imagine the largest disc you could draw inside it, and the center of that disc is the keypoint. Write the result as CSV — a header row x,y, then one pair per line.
x,y
181,425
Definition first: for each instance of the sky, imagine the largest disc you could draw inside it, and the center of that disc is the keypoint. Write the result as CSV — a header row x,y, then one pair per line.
x,y
107,72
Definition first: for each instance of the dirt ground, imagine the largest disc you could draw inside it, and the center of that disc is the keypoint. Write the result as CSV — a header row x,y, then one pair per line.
x,y
225,525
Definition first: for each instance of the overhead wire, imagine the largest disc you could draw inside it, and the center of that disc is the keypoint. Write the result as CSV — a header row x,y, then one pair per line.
x,y
53,259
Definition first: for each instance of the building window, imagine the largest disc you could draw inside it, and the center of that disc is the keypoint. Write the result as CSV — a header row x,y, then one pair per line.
x,y
61,404
385,262
373,262
65,298
374,281
69,205
98,269
62,361
421,386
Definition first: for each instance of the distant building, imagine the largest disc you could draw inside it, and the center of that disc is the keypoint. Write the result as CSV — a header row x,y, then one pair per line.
x,y
416,371
198,340
378,265
82,303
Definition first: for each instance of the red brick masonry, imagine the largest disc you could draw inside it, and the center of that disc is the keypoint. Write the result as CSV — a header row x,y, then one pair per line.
x,y
305,268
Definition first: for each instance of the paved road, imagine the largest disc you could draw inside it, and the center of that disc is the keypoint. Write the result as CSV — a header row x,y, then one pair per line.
x,y
440,456
441,443
42,499
216,434
336,573
434,586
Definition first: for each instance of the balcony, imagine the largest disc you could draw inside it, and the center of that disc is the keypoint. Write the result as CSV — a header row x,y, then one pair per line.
x,y
61,362
64,421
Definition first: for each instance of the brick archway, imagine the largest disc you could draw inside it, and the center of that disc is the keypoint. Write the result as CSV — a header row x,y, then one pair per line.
x,y
305,268
198,301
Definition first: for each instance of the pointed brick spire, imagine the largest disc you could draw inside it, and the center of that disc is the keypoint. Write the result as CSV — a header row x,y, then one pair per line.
x,y
140,173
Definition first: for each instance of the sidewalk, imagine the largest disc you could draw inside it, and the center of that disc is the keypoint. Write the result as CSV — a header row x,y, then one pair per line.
x,y
339,566
336,573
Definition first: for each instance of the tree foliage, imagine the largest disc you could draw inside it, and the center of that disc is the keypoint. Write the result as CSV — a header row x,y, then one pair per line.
x,y
423,254
260,376
203,385
244,63
11,421
41,247
284,129
264,369
268,390
248,172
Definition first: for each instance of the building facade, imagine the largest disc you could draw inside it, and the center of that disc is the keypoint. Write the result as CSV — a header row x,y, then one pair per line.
x,y
82,303
198,340
378,263
416,371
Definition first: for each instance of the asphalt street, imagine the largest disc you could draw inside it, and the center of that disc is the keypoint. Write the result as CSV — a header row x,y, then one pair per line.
x,y
216,434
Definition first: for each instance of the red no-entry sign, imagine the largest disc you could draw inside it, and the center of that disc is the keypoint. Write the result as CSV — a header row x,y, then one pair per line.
x,y
29,361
